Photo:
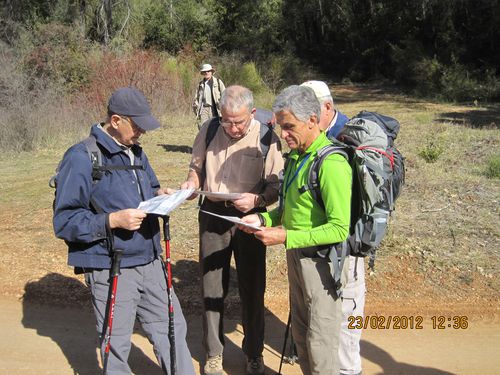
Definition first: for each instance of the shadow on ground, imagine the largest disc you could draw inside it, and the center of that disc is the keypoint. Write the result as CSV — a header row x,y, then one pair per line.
x,y
71,325
343,94
488,118
177,148
59,307
389,365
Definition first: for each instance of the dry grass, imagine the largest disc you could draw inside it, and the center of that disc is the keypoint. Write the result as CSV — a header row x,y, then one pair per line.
x,y
443,243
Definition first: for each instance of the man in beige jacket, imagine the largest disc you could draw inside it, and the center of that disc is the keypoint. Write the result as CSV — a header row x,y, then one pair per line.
x,y
234,162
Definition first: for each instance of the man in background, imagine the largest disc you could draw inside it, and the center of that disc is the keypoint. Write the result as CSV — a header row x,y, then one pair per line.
x,y
206,100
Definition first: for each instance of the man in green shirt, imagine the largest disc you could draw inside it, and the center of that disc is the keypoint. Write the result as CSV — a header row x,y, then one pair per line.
x,y
305,227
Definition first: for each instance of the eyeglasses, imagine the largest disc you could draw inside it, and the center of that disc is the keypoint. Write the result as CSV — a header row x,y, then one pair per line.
x,y
134,126
239,124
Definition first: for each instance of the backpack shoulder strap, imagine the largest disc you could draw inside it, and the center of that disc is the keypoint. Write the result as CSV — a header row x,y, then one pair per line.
x,y
266,136
213,126
95,156
336,252
313,178
98,167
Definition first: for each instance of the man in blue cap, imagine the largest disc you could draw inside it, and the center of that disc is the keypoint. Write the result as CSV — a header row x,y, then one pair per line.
x,y
95,213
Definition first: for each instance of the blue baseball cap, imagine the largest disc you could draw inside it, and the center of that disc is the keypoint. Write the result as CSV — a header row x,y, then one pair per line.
x,y
130,102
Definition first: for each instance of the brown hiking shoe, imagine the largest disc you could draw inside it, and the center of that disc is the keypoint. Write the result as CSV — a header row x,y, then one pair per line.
x,y
255,366
213,365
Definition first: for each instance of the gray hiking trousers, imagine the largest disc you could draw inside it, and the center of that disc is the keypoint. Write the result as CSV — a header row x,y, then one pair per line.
x,y
353,304
141,294
316,311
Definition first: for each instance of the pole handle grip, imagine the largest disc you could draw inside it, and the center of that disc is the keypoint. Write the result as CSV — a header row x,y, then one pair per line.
x,y
117,259
166,227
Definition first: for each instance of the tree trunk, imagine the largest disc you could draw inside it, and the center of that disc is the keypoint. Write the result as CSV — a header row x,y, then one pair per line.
x,y
108,21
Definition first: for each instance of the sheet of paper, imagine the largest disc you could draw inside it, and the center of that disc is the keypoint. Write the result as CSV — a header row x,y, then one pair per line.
x,y
164,204
220,196
234,219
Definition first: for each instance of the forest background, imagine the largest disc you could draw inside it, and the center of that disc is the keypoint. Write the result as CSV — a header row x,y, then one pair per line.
x,y
61,58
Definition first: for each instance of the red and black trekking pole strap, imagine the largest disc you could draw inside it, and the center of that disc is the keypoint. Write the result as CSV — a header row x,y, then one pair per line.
x,y
168,275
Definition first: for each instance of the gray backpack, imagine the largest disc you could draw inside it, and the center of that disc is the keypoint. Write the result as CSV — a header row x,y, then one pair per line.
x,y
365,145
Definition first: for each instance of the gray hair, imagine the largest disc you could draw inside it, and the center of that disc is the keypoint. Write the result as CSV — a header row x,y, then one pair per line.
x,y
325,99
235,97
299,100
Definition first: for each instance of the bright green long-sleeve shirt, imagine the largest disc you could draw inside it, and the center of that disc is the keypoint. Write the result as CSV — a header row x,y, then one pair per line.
x,y
306,222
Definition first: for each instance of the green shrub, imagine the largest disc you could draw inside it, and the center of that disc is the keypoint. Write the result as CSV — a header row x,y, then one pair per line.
x,y
233,71
431,151
58,54
279,71
427,73
457,84
493,167
171,27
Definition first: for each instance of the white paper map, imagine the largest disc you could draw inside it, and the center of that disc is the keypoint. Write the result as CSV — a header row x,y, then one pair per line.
x,y
234,219
221,196
164,204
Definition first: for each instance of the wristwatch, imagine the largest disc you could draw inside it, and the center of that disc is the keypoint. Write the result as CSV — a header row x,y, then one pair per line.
x,y
261,219
260,201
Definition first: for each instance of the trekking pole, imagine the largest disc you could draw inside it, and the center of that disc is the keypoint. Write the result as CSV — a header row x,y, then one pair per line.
x,y
110,309
287,330
168,275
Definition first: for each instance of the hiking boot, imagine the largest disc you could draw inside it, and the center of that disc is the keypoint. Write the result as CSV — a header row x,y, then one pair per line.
x,y
213,365
255,366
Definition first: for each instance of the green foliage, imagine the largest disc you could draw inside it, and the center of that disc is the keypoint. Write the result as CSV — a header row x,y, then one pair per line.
x,y
459,84
250,77
184,71
33,111
493,167
171,27
443,49
58,54
250,27
234,72
430,77
279,71
431,151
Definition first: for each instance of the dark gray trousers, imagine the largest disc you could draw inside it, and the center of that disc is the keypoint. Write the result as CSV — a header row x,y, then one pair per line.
x,y
219,239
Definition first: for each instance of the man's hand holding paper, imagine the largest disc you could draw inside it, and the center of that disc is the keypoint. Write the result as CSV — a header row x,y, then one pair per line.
x,y
246,202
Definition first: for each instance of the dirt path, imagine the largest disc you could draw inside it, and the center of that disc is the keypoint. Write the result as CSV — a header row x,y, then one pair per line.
x,y
44,340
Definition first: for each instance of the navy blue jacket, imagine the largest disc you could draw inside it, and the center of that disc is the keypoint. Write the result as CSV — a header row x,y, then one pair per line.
x,y
79,224
337,127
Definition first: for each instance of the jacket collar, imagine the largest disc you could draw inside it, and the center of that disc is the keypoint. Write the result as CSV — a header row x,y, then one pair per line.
x,y
107,142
